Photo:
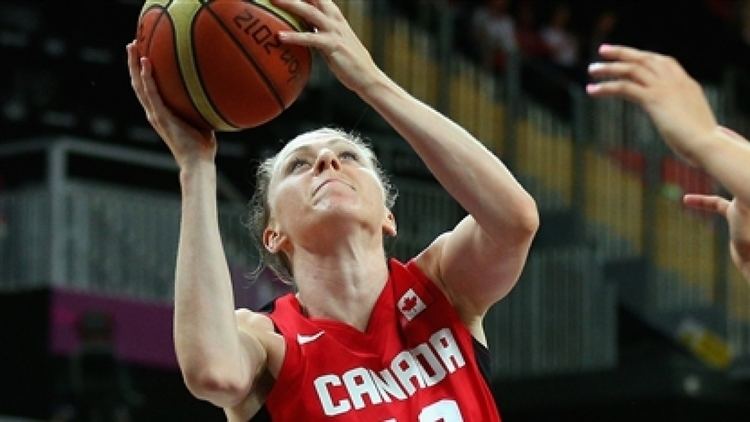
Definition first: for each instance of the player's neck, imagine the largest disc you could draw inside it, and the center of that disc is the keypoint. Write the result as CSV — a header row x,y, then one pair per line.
x,y
341,286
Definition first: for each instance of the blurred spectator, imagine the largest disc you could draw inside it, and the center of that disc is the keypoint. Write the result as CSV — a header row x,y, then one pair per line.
x,y
494,30
561,42
726,10
464,38
601,33
530,42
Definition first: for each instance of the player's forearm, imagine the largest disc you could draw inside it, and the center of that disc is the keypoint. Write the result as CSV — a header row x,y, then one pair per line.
x,y
727,159
206,336
474,176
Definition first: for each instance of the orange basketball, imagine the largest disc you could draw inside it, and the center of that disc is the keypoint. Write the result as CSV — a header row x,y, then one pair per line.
x,y
219,64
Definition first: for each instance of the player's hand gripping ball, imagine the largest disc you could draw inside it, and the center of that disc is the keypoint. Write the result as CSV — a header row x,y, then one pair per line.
x,y
219,64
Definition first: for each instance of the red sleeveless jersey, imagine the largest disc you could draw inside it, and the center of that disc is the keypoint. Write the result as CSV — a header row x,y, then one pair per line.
x,y
415,362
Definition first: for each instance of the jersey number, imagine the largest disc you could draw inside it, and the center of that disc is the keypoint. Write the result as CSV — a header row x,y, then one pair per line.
x,y
441,411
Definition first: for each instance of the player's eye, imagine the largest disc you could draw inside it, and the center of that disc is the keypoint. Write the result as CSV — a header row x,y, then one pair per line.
x,y
348,155
297,164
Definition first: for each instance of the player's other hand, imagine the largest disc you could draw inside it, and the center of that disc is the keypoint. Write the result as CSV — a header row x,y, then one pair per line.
x,y
188,144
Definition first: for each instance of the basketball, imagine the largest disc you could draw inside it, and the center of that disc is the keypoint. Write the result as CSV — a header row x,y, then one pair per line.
x,y
220,64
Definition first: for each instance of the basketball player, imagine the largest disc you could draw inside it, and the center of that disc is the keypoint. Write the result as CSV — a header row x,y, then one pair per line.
x,y
684,119
364,338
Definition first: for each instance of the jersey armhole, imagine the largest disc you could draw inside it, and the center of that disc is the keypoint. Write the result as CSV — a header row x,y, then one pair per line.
x,y
262,415
482,355
481,352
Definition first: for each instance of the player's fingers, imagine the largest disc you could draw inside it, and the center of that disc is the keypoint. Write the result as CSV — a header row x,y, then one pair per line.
x,y
135,72
326,6
618,88
711,203
156,111
307,39
304,10
621,70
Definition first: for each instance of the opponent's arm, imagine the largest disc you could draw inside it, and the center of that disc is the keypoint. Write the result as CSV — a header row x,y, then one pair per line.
x,y
480,260
679,109
218,361
738,218
681,113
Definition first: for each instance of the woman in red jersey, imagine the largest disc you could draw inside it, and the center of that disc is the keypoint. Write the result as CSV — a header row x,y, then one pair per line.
x,y
364,338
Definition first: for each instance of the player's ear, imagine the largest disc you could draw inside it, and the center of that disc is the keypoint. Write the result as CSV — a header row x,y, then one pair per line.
x,y
389,224
273,240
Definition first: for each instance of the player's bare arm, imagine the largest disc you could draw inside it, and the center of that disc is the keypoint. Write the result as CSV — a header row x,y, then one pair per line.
x,y
218,361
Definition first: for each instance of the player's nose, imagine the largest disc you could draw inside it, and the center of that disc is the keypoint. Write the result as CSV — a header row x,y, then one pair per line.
x,y
327,159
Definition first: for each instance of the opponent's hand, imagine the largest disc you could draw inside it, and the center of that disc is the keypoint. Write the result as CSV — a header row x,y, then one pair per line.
x,y
188,144
345,54
738,218
658,83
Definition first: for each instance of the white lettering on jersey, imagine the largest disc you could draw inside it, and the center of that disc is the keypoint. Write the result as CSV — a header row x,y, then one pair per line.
x,y
447,348
387,385
410,370
432,371
358,382
406,369
321,386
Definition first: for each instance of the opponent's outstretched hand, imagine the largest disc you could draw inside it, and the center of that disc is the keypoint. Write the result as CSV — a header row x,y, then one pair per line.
x,y
332,36
658,83
738,218
188,144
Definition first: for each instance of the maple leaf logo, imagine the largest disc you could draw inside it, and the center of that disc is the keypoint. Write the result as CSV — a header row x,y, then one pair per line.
x,y
409,304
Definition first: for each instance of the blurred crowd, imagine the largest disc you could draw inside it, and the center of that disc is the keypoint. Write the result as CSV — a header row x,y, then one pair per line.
x,y
563,36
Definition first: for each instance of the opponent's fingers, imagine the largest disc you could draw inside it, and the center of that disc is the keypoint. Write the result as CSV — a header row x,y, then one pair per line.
x,y
618,88
623,53
304,10
658,63
711,203
621,70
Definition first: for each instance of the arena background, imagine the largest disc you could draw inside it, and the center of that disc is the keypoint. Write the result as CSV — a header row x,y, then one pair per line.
x,y
628,308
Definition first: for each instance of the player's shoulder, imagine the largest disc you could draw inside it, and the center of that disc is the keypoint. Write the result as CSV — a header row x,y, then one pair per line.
x,y
253,321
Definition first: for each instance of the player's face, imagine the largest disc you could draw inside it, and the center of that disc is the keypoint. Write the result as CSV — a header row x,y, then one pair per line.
x,y
324,184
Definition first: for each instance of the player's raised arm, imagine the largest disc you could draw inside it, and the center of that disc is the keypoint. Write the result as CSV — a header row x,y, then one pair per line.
x,y
480,260
679,109
218,361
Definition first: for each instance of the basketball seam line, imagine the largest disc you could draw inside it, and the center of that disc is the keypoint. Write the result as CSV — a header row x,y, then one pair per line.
x,y
198,70
165,12
277,14
251,59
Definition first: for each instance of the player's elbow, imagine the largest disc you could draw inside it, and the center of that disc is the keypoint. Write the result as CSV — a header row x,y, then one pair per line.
x,y
220,387
527,217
